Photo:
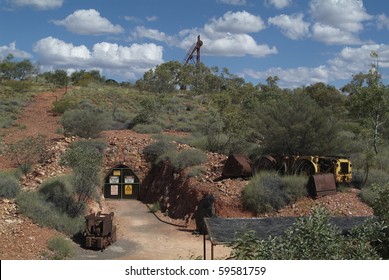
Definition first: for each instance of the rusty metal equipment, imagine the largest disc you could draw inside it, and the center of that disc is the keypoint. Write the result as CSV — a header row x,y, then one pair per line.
x,y
191,53
99,230
237,166
321,185
339,167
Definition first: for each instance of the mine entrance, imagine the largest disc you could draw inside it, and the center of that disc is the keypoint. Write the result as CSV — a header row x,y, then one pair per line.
x,y
121,183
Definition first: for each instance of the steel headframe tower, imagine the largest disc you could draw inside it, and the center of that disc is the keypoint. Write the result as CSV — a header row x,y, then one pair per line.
x,y
191,53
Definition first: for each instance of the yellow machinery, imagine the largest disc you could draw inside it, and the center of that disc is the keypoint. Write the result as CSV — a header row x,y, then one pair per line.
x,y
324,172
340,167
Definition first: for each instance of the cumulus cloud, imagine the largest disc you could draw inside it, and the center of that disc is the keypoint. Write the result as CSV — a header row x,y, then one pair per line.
x,y
293,27
89,22
342,66
128,61
11,49
333,36
228,36
38,4
238,22
343,18
279,4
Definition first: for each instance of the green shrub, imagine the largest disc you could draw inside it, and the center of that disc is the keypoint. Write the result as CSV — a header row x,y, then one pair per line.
x,y
64,104
147,128
264,193
28,151
86,159
369,194
155,207
310,238
60,247
86,123
60,192
294,187
377,176
34,206
153,151
9,185
186,158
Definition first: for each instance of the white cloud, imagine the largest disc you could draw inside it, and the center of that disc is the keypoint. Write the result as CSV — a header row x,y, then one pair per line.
x,y
38,4
227,36
333,36
237,45
293,27
234,2
153,34
347,62
127,61
224,36
383,21
11,49
279,4
238,22
342,18
89,22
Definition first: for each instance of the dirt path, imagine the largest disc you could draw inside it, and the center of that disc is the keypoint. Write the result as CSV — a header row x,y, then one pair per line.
x,y
141,236
37,118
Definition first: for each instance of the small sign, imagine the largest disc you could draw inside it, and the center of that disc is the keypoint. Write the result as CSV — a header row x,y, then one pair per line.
x,y
116,173
128,189
129,179
114,180
114,190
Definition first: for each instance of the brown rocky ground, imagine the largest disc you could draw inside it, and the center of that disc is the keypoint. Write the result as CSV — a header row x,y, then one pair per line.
x,y
20,238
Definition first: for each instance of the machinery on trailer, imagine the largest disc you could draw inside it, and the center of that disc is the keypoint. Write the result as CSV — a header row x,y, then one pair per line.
x,y
99,230
324,172
340,167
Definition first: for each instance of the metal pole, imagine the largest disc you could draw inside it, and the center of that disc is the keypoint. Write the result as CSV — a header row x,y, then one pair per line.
x,y
204,246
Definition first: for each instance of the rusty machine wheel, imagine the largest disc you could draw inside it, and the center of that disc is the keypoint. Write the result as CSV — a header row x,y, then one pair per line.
x,y
304,167
265,163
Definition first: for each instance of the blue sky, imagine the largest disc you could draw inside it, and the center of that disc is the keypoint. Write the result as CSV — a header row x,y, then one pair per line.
x,y
300,41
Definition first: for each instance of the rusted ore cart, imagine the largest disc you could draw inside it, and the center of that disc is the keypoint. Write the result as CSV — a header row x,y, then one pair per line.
x,y
99,230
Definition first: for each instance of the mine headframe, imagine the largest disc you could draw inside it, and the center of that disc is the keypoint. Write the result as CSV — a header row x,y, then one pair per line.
x,y
193,54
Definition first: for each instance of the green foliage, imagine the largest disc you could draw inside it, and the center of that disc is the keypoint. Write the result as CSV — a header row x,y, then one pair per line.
x,y
27,152
59,78
9,185
268,192
147,128
186,158
16,70
310,238
295,124
85,158
264,193
294,187
44,213
60,247
60,193
85,122
155,207
153,151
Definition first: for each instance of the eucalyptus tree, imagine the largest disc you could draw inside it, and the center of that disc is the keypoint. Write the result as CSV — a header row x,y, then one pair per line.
x,y
369,104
